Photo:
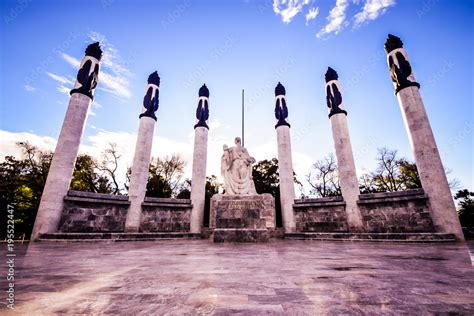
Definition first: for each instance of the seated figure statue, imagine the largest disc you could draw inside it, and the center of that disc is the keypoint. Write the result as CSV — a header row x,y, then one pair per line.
x,y
236,169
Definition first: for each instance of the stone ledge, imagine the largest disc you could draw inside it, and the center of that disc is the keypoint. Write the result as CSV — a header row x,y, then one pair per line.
x,y
174,206
320,200
383,195
96,200
317,204
377,237
100,196
166,200
87,237
397,198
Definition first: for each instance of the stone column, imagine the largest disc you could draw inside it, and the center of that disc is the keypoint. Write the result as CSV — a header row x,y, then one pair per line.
x,y
198,180
65,154
285,163
342,144
427,158
141,159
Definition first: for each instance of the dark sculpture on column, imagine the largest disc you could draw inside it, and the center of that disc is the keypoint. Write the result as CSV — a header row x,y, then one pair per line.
x,y
202,111
281,110
88,74
333,95
151,98
400,68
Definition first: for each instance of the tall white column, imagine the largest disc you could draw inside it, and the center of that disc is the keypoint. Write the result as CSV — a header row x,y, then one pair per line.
x,y
198,180
67,148
427,158
342,145
141,159
285,162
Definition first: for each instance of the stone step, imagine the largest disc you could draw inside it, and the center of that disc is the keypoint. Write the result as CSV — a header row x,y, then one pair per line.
x,y
118,236
380,237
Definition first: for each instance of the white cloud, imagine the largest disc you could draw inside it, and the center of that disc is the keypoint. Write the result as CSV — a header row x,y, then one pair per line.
x,y
312,14
63,89
114,76
9,140
60,79
336,19
29,88
71,60
372,10
288,9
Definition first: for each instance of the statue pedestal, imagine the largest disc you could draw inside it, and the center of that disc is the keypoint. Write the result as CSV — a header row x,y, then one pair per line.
x,y
242,218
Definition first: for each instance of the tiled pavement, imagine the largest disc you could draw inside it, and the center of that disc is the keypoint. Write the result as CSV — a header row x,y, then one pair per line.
x,y
282,277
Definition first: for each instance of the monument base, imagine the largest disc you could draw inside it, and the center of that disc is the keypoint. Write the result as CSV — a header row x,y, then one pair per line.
x,y
242,218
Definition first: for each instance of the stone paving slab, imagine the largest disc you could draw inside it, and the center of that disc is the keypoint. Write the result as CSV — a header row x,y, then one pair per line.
x,y
283,277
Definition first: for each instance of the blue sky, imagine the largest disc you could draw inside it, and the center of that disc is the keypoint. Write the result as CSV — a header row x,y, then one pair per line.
x,y
233,45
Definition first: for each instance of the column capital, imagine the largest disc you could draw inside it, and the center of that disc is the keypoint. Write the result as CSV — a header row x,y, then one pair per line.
x,y
88,73
281,110
333,93
399,64
151,100
202,111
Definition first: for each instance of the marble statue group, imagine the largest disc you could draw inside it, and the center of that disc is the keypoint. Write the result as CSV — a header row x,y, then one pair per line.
x,y
236,169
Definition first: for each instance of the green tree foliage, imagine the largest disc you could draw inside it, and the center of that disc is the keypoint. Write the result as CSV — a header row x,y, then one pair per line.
x,y
213,186
266,178
165,176
391,174
465,207
22,181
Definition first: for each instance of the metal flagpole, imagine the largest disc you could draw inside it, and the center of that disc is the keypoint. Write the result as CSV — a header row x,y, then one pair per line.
x,y
243,119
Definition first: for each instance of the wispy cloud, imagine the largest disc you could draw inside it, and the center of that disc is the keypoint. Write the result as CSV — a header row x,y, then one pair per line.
x,y
71,60
29,88
288,9
60,79
312,14
372,10
336,19
114,76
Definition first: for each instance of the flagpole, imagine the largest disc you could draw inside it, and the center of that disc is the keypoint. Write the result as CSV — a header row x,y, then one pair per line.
x,y
243,125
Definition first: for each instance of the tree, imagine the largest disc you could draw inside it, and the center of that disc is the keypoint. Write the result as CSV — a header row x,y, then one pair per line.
x,y
324,178
85,177
22,182
266,178
109,165
213,186
165,176
391,174
465,207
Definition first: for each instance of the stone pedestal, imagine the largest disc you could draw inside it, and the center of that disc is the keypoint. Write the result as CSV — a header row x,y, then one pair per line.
x,y
198,181
62,166
242,218
140,170
285,169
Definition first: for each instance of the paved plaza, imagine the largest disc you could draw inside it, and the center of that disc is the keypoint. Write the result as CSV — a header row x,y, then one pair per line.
x,y
282,277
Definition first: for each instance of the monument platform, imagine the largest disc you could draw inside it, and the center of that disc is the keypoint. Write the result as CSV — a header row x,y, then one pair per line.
x,y
242,218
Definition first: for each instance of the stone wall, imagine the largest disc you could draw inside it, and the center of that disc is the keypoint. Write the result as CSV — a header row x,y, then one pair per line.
x,y
95,212
396,212
165,215
320,215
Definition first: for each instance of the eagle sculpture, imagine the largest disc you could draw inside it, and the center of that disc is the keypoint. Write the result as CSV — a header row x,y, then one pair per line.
x,y
150,102
202,111
281,110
